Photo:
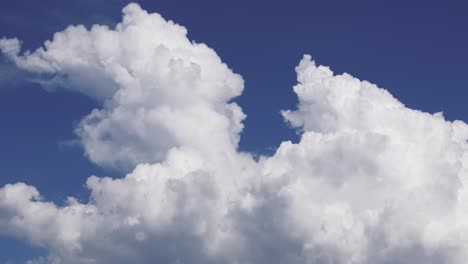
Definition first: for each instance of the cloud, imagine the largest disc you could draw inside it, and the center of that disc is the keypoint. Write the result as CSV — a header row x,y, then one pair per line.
x,y
370,181
158,89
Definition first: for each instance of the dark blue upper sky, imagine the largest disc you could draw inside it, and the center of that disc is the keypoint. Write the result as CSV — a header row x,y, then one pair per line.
x,y
415,49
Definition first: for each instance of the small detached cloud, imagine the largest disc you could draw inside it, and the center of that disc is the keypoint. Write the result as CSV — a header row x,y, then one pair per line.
x,y
370,181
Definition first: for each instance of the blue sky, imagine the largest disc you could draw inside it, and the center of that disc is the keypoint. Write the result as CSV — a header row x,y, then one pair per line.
x,y
414,49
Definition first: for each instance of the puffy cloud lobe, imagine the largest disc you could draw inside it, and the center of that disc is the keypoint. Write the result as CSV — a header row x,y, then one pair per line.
x,y
370,181
375,177
158,89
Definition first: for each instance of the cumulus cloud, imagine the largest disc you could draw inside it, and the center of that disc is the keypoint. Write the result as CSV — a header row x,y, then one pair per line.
x,y
158,89
370,181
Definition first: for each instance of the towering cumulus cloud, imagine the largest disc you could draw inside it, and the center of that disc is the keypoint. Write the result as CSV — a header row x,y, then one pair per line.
x,y
156,86
370,181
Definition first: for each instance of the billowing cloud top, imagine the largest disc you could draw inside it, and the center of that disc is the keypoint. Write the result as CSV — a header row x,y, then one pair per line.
x,y
158,89
370,181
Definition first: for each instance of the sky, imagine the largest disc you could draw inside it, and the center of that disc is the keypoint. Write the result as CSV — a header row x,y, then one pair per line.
x,y
415,50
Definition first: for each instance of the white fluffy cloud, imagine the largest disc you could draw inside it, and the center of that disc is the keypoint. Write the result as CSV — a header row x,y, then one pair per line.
x,y
158,89
370,181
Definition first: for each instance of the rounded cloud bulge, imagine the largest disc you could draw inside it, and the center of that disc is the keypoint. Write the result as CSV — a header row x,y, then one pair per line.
x,y
155,85
370,181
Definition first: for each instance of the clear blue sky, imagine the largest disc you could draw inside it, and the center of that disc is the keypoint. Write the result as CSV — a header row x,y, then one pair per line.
x,y
415,49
